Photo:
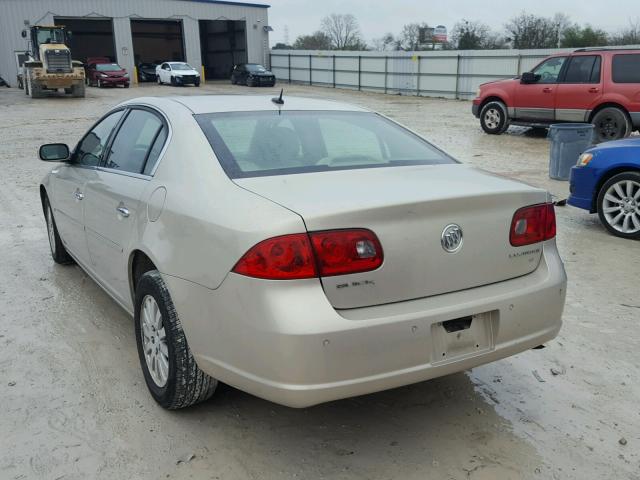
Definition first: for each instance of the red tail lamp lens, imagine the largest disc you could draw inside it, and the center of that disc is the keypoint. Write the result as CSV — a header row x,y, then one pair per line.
x,y
341,252
287,257
533,224
326,253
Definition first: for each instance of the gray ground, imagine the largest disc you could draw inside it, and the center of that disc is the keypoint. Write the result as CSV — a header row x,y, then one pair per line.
x,y
74,403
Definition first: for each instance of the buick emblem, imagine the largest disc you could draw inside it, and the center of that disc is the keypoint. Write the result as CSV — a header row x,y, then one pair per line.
x,y
451,239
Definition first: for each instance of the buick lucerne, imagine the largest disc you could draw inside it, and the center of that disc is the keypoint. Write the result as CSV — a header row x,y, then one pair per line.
x,y
300,250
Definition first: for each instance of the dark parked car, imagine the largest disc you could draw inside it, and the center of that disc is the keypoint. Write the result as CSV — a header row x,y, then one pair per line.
x,y
252,75
147,72
107,74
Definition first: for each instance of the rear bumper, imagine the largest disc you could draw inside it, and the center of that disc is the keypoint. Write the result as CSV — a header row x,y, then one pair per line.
x,y
283,341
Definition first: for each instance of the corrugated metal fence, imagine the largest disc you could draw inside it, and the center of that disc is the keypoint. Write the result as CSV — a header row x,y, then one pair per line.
x,y
449,74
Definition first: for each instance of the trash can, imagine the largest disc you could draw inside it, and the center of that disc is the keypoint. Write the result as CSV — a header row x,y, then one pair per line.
x,y
568,141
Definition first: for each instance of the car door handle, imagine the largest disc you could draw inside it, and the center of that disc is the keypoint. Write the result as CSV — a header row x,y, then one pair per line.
x,y
124,211
78,194
547,90
594,90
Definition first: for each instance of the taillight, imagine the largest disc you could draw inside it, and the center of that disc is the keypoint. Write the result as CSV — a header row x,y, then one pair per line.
x,y
340,252
533,224
287,257
301,255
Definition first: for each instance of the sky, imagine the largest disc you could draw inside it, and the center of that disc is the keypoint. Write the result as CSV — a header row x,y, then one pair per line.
x,y
378,17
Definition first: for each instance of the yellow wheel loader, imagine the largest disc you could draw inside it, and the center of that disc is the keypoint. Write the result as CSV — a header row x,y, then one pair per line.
x,y
48,66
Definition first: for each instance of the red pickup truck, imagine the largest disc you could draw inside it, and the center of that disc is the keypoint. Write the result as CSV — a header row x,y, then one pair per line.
x,y
599,86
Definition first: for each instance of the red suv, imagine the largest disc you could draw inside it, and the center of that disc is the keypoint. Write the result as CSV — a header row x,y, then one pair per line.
x,y
599,86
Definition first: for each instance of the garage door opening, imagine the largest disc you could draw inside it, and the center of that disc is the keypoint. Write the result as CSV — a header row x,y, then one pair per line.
x,y
90,37
157,41
223,44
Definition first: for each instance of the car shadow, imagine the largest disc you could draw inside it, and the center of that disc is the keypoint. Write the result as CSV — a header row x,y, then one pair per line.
x,y
443,426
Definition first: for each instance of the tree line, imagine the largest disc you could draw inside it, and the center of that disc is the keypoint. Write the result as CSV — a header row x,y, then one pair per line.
x,y
523,31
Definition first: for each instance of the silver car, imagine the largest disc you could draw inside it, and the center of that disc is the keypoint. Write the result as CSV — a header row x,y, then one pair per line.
x,y
302,251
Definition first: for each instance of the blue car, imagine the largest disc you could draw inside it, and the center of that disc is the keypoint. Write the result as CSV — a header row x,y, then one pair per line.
x,y
606,181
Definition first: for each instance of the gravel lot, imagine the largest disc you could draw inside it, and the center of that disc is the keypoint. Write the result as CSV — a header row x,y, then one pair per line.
x,y
75,406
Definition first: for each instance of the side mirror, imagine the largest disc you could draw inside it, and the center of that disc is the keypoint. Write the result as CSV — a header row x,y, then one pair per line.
x,y
24,34
54,152
529,77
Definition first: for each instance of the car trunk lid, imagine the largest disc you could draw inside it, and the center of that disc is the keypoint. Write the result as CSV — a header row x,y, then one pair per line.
x,y
408,208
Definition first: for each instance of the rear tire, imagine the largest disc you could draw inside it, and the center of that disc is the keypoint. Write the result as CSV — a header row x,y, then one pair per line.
x,y
494,118
170,370
611,124
78,90
58,252
619,205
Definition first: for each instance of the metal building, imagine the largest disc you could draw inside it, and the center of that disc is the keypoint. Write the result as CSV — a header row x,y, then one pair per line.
x,y
213,34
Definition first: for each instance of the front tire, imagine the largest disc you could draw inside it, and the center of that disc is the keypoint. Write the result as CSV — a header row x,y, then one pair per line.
x,y
611,124
494,118
58,252
619,205
170,370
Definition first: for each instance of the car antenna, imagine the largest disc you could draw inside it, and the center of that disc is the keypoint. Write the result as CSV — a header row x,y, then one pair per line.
x,y
278,100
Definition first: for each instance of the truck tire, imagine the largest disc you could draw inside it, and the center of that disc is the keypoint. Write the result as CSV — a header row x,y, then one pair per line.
x,y
494,118
78,90
35,90
170,370
611,124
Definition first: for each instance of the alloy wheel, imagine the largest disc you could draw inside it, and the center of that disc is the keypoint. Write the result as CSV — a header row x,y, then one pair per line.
x,y
154,341
621,206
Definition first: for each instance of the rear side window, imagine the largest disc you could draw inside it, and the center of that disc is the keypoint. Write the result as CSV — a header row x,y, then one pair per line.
x,y
251,144
583,69
156,149
626,68
134,141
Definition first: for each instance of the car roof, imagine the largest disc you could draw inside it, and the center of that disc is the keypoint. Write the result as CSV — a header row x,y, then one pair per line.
x,y
177,63
199,104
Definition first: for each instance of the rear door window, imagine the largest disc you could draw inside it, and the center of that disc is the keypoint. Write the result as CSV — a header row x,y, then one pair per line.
x,y
626,68
133,143
583,69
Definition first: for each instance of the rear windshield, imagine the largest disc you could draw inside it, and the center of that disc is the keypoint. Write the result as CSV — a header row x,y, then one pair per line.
x,y
251,144
108,67
626,68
